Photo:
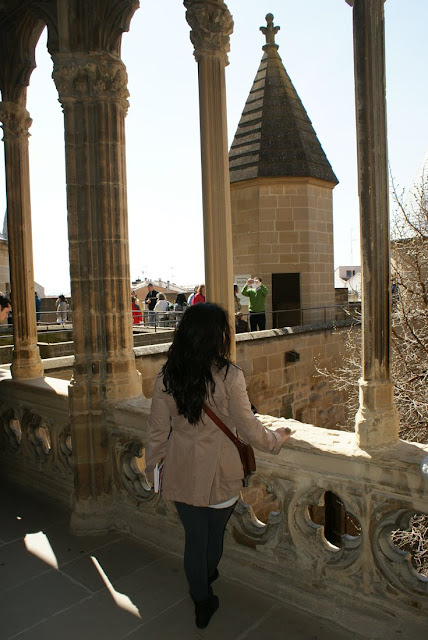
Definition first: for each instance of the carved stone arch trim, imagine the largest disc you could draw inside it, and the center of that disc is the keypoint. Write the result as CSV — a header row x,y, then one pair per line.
x,y
47,11
95,26
19,36
118,22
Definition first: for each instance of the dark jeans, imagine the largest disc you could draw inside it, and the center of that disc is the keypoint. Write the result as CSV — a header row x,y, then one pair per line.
x,y
204,531
257,318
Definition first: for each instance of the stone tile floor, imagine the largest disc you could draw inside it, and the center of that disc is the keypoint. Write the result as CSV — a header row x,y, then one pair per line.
x,y
57,586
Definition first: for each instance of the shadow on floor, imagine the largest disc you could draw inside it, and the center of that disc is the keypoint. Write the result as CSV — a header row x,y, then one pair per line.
x,y
58,586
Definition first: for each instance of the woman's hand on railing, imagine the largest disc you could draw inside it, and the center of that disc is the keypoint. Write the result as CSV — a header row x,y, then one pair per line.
x,y
285,433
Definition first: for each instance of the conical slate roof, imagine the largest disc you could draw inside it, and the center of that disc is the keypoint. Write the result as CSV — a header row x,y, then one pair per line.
x,y
275,136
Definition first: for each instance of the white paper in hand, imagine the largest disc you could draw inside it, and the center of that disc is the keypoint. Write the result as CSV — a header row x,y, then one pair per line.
x,y
157,476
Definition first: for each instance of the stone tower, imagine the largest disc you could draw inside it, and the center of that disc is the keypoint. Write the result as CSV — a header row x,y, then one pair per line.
x,y
281,192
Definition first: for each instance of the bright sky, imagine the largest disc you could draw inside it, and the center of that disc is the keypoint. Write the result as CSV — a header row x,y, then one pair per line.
x,y
162,126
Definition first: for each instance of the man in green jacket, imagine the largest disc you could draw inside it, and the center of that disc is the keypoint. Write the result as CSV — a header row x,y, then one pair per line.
x,y
257,292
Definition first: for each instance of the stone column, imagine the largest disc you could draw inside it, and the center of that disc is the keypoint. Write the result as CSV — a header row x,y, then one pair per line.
x,y
26,361
377,419
211,25
93,93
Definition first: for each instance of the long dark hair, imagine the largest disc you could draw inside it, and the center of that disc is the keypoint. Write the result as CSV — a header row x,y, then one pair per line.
x,y
201,342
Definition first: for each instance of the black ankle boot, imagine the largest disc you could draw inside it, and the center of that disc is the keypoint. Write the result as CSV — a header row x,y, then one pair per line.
x,y
204,611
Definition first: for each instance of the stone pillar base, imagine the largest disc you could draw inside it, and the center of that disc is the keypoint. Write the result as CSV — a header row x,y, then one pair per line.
x,y
92,517
376,422
26,363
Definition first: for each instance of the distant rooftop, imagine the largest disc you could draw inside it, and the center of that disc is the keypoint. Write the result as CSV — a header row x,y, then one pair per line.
x,y
275,136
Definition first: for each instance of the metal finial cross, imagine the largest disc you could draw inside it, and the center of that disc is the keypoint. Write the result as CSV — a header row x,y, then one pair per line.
x,y
270,31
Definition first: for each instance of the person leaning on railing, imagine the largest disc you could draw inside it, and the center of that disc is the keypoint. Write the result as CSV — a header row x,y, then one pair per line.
x,y
160,307
203,472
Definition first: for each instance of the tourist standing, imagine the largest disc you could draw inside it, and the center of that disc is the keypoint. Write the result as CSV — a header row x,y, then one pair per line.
x,y
192,295
241,325
256,292
150,300
238,305
180,305
200,295
160,308
137,314
61,309
38,306
137,300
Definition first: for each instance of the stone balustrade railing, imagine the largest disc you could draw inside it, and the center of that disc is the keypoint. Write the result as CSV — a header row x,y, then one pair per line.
x,y
35,436
276,539
289,556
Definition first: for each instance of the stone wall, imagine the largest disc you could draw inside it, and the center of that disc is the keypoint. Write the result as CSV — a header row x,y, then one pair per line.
x,y
280,371
57,344
35,436
285,225
363,581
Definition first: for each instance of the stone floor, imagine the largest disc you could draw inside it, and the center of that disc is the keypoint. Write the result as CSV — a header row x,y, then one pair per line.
x,y
57,586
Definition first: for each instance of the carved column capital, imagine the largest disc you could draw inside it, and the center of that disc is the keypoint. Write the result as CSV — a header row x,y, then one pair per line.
x,y
211,24
95,76
351,2
15,119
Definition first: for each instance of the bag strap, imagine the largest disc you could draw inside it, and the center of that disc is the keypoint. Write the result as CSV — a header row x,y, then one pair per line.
x,y
236,441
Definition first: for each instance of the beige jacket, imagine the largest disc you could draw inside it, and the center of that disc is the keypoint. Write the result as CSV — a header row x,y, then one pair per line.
x,y
202,465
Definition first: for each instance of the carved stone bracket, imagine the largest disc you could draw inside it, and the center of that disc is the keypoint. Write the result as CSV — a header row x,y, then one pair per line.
x,y
11,431
246,528
395,563
65,448
131,465
96,76
316,550
211,24
15,119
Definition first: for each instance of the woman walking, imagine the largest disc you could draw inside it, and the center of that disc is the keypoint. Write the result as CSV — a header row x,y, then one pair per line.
x,y
202,468
61,309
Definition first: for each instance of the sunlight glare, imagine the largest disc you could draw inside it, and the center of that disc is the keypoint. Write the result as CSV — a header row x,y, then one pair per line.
x,y
39,545
120,599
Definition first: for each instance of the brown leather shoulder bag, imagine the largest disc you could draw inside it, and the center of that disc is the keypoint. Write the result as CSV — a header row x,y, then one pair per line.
x,y
245,450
